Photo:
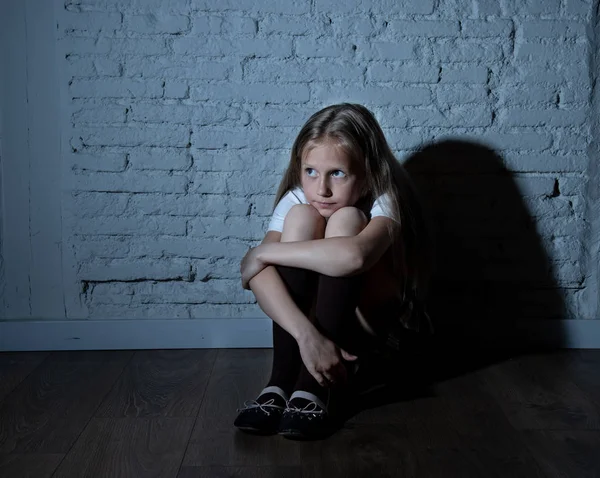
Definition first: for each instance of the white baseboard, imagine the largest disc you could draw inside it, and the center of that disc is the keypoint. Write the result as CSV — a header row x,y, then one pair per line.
x,y
46,335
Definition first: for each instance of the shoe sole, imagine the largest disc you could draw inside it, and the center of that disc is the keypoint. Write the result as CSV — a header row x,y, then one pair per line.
x,y
257,431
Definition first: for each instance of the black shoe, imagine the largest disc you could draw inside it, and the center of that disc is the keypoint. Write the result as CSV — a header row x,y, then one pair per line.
x,y
262,416
305,418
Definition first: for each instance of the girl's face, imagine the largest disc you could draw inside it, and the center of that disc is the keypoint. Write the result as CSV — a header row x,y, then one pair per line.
x,y
328,179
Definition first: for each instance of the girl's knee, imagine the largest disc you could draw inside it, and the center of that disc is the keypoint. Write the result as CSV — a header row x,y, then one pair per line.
x,y
347,221
303,220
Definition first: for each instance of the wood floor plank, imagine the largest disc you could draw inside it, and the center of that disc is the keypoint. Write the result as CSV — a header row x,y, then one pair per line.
x,y
537,392
238,375
29,465
128,447
169,383
231,447
15,366
240,472
49,409
459,420
566,453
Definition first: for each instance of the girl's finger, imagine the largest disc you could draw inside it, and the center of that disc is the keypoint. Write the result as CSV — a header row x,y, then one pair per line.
x,y
329,378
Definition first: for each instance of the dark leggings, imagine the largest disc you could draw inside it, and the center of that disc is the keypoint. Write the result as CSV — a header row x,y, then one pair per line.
x,y
336,301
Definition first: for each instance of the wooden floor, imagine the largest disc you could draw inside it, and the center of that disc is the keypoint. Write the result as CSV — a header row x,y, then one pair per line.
x,y
169,413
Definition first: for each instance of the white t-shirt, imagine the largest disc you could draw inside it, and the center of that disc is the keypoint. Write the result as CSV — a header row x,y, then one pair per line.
x,y
296,196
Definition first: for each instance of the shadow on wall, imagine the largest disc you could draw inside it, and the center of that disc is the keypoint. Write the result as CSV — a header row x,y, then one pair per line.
x,y
492,273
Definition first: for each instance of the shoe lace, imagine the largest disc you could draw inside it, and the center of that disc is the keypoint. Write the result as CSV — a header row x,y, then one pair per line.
x,y
249,404
310,408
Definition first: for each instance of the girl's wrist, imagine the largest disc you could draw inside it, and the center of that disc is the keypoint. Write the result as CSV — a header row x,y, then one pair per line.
x,y
305,332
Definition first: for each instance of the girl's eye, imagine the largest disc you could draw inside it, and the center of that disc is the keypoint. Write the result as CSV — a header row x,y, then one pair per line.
x,y
338,171
309,170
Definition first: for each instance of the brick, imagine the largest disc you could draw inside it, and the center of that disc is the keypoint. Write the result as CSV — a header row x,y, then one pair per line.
x,y
214,25
403,73
270,115
483,8
557,75
576,185
374,95
139,46
110,162
132,182
323,47
111,293
461,94
97,204
562,53
296,71
457,50
143,135
374,50
133,226
532,7
387,7
266,6
213,46
224,311
552,29
523,95
214,291
188,247
546,163
115,88
209,182
265,184
360,25
572,140
154,24
227,138
487,29
190,204
233,160
288,25
112,247
130,5
150,311
473,74
535,186
177,67
236,227
98,114
203,24
548,117
160,158
84,46
425,28
176,89
259,92
579,7
136,270
526,140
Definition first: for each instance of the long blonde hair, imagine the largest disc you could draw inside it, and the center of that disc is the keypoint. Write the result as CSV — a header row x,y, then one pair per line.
x,y
356,130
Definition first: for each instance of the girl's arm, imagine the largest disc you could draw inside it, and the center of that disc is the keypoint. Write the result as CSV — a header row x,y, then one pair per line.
x,y
334,256
275,300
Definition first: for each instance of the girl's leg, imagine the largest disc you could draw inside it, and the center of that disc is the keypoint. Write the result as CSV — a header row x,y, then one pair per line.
x,y
337,299
302,223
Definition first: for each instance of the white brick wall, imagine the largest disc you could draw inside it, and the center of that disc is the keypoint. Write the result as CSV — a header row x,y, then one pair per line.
x,y
181,114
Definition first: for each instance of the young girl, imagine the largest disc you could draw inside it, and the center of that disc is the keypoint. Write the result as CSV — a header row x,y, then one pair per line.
x,y
345,258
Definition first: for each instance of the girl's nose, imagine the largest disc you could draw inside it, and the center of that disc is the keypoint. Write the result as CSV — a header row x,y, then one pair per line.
x,y
323,188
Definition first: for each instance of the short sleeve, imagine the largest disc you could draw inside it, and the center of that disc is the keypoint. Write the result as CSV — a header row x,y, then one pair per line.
x,y
381,207
289,200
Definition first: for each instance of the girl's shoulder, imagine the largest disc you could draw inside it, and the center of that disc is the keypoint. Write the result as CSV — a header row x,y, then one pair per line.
x,y
296,195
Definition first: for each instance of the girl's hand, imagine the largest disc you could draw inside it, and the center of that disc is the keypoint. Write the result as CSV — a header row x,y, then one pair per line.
x,y
323,359
250,266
